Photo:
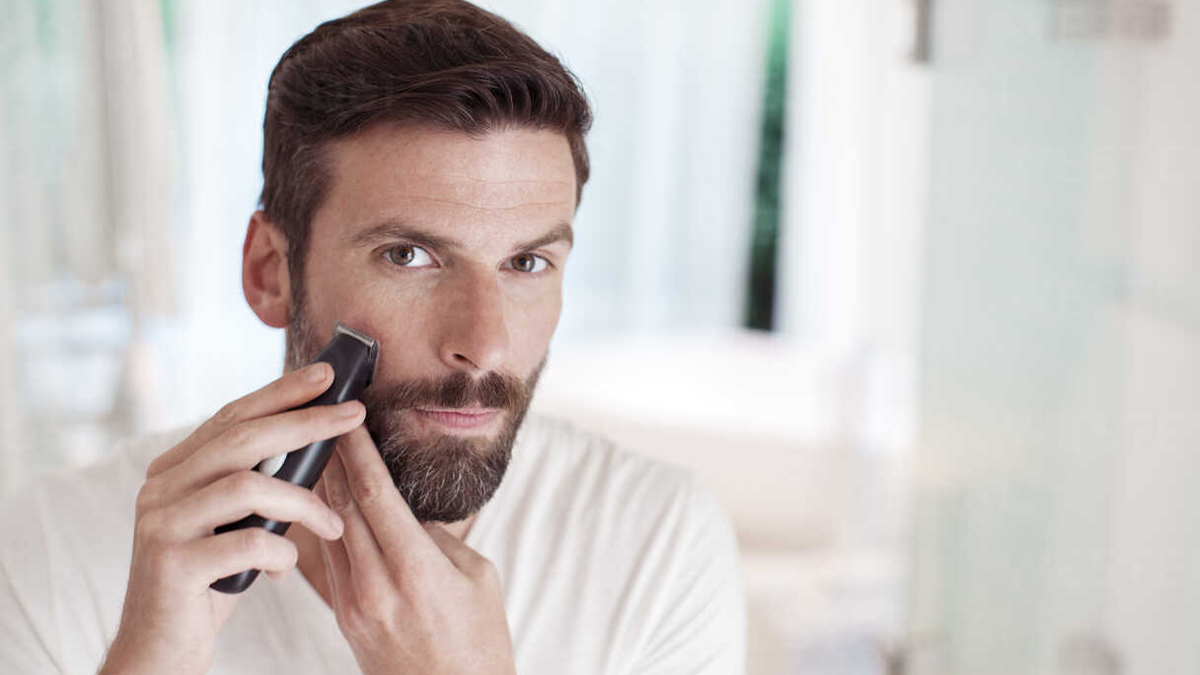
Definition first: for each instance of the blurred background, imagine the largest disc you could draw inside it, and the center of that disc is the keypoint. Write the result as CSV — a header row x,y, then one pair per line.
x,y
911,285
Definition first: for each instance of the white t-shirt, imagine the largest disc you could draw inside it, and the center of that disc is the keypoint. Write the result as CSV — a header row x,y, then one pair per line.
x,y
610,563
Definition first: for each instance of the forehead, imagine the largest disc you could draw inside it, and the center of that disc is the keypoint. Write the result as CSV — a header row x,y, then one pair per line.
x,y
515,178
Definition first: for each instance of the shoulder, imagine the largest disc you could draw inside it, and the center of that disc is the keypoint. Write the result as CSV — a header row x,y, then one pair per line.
x,y
557,460
86,503
103,481
68,537
579,484
588,534
661,537
76,493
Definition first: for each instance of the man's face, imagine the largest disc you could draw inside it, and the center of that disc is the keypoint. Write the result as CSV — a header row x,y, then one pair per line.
x,y
449,250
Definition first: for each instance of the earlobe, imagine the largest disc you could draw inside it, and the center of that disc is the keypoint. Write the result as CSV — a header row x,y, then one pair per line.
x,y
265,280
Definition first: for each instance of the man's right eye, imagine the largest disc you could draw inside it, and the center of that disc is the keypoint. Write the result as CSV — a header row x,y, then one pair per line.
x,y
407,255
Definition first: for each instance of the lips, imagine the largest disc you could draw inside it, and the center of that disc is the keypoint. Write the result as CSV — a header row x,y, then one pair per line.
x,y
458,418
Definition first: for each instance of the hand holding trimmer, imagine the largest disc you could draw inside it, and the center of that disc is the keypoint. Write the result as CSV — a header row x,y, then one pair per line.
x,y
352,355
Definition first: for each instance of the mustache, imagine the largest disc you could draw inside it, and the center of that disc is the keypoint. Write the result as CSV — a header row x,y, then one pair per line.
x,y
493,390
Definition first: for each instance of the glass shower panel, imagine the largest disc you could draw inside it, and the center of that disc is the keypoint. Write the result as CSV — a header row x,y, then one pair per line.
x,y
1060,352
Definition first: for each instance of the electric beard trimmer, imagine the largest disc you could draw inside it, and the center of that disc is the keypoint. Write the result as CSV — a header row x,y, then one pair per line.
x,y
352,356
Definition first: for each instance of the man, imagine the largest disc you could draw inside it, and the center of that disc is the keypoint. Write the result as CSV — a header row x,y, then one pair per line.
x,y
422,165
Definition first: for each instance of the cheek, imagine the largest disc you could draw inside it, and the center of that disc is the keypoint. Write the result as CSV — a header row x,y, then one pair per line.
x,y
364,306
353,309
329,289
397,322
531,325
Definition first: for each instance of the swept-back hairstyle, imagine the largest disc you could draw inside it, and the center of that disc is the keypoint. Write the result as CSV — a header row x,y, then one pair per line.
x,y
441,63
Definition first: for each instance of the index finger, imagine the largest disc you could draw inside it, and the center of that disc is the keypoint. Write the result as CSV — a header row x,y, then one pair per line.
x,y
288,391
381,503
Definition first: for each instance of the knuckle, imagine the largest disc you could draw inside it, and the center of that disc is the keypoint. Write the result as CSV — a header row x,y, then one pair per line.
x,y
285,552
367,490
255,542
373,609
228,414
154,468
245,483
147,497
148,527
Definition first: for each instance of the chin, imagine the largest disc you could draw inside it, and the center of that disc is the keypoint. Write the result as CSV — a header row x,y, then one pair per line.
x,y
443,476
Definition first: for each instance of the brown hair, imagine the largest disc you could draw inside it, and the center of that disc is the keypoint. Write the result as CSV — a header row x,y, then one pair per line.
x,y
443,63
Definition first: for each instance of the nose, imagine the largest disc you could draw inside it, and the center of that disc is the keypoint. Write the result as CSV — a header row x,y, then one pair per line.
x,y
474,335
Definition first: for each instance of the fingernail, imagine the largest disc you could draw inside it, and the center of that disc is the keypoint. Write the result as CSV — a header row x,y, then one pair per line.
x,y
338,526
316,373
350,409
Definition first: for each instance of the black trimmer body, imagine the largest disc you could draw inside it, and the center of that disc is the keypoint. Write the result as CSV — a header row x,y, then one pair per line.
x,y
352,355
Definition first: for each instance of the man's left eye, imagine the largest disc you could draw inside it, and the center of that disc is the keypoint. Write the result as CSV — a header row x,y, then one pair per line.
x,y
529,263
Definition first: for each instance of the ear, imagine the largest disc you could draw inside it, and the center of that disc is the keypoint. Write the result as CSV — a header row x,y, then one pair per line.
x,y
265,280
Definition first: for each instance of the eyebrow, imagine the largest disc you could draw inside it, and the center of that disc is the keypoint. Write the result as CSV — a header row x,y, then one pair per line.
x,y
392,229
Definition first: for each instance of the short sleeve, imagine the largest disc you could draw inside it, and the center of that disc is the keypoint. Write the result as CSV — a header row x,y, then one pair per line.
x,y
703,629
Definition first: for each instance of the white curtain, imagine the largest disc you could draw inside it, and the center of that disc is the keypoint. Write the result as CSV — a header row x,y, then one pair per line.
x,y
854,190
677,85
85,194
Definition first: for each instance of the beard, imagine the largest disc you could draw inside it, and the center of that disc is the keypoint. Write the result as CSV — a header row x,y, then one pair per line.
x,y
443,477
